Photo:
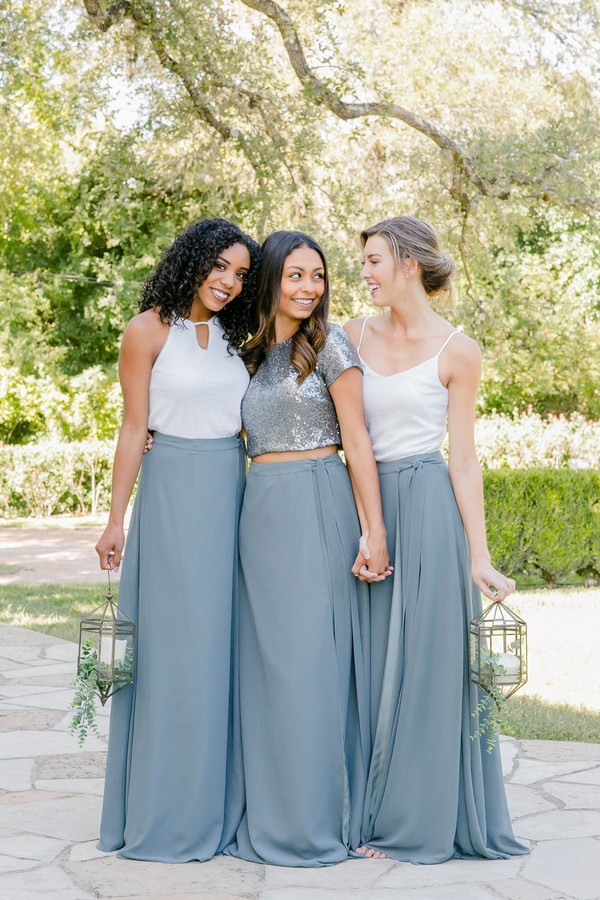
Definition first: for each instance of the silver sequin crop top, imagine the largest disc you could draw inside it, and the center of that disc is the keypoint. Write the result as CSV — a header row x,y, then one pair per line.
x,y
279,414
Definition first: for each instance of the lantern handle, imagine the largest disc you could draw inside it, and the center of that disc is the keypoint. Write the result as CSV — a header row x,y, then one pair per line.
x,y
109,594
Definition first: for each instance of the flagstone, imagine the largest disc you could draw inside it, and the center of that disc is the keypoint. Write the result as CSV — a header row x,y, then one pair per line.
x,y
14,635
113,877
14,744
48,882
568,822
28,719
23,690
357,874
16,774
560,751
60,699
57,668
451,892
530,771
576,796
589,776
455,871
66,651
85,764
15,864
93,786
524,801
74,818
86,850
569,866
508,752
28,846
21,652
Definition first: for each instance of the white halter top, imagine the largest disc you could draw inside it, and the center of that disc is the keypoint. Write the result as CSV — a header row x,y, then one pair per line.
x,y
197,393
405,412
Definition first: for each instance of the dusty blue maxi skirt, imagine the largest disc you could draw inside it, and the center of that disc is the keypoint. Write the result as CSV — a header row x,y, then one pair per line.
x,y
164,796
433,793
302,673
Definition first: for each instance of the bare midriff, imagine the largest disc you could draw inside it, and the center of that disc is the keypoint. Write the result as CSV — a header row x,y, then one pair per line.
x,y
292,455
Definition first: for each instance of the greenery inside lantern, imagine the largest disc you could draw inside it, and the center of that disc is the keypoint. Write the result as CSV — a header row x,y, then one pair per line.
x,y
498,661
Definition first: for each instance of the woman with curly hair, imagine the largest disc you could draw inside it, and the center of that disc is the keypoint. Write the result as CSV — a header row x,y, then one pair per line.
x,y
302,679
183,378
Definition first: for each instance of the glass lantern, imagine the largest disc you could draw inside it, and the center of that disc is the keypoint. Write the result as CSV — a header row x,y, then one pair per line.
x,y
498,650
107,648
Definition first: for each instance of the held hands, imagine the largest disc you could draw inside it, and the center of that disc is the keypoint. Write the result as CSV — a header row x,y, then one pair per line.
x,y
490,582
110,547
372,562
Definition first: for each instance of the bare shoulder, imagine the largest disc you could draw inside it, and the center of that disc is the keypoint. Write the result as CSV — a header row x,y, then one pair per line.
x,y
145,333
353,328
461,359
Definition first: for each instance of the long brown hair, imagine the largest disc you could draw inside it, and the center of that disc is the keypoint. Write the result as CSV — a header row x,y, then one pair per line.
x,y
310,338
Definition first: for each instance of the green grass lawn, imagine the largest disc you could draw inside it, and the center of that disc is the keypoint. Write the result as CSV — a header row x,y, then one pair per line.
x,y
560,702
51,608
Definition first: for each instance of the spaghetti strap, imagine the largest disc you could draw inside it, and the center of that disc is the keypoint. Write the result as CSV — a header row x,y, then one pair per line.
x,y
446,342
362,333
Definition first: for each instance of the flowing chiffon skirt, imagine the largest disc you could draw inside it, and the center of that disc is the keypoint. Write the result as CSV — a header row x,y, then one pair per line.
x,y
433,793
302,671
165,792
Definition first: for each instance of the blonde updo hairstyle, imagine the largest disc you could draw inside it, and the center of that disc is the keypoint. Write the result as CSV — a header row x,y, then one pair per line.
x,y
412,238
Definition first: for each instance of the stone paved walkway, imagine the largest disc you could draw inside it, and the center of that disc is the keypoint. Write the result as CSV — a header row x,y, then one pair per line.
x,y
50,796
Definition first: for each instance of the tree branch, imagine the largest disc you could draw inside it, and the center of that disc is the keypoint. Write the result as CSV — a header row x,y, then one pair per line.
x,y
344,110
105,18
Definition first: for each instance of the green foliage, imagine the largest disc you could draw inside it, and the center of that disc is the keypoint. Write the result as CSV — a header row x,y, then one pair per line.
x,y
49,478
535,719
50,608
544,521
531,441
83,721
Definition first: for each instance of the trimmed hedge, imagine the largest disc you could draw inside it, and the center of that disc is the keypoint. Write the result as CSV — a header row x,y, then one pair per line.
x,y
544,521
540,521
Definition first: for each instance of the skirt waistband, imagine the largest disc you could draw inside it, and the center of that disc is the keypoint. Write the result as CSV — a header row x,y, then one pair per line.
x,y
417,461
295,465
197,445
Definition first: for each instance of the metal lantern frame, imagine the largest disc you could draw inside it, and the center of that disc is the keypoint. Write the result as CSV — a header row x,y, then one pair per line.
x,y
495,632
107,642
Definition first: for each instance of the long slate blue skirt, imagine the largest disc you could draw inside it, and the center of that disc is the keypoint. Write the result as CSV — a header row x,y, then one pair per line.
x,y
302,670
165,793
433,793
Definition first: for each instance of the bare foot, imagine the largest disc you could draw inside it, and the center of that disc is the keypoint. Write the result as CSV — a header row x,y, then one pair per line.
x,y
370,852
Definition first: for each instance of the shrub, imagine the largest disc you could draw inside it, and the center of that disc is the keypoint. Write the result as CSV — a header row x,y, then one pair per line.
x,y
529,441
50,478
544,521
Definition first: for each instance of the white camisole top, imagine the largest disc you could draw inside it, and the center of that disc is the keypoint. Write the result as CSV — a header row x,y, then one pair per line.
x,y
196,393
405,412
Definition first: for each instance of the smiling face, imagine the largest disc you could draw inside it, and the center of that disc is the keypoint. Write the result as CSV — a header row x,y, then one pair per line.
x,y
223,283
384,278
302,287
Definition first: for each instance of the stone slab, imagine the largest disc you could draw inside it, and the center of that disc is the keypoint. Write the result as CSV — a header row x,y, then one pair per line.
x,y
589,776
113,877
27,846
576,796
530,771
23,690
524,801
15,744
81,765
66,651
560,751
15,636
49,882
453,872
57,668
451,892
94,786
21,653
15,864
354,874
16,774
60,699
508,752
571,867
29,719
74,818
564,822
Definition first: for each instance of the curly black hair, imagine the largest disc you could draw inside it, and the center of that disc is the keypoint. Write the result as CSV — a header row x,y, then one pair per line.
x,y
172,286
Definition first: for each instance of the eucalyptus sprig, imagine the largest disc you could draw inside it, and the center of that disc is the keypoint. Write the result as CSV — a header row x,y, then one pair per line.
x,y
84,702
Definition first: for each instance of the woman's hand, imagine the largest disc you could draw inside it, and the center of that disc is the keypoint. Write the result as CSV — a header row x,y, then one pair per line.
x,y
493,584
364,568
110,547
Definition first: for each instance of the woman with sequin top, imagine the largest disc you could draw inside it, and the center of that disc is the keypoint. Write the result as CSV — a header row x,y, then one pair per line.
x,y
302,669
433,792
